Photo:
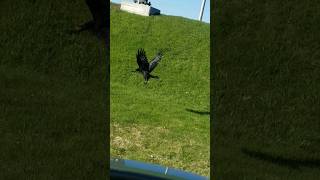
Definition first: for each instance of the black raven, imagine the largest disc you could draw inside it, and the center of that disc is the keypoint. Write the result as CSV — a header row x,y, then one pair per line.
x,y
144,66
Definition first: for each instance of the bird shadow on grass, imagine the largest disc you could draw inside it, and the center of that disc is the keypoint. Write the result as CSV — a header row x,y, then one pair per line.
x,y
149,77
293,163
198,112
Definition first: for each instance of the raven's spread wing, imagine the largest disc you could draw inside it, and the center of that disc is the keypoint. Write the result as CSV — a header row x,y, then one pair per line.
x,y
142,60
155,61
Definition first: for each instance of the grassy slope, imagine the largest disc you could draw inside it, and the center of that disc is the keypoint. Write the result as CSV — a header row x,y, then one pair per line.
x,y
267,85
51,93
151,122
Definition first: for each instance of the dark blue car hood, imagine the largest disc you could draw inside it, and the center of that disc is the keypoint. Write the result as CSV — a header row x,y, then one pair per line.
x,y
128,169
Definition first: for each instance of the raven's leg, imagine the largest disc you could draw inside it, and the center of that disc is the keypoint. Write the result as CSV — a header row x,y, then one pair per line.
x,y
137,70
155,77
146,76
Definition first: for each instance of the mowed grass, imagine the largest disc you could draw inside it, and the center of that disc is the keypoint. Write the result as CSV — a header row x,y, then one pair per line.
x,y
266,90
167,120
53,121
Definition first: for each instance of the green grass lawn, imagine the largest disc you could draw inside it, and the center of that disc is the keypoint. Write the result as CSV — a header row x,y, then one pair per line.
x,y
52,93
266,90
160,122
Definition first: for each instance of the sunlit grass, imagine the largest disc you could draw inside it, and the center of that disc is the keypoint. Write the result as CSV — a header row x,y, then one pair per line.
x,y
151,122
